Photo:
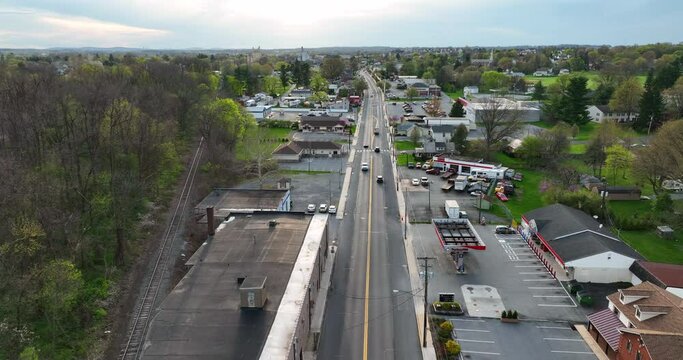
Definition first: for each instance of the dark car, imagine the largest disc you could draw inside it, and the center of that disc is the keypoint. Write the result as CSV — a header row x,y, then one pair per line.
x,y
434,171
380,179
411,165
502,229
376,149
584,297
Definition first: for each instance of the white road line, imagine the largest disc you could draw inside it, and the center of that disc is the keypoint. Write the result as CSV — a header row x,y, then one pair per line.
x,y
562,339
475,330
472,320
572,352
554,327
531,273
543,287
550,279
550,296
529,266
476,341
521,260
480,352
556,305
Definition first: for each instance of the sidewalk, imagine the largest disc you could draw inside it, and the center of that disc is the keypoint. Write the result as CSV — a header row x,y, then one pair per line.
x,y
320,303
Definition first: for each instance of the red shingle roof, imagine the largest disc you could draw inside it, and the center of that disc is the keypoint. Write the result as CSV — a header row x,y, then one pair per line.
x,y
669,274
607,324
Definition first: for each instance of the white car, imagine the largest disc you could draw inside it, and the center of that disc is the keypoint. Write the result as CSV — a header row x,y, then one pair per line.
x,y
477,193
310,208
424,181
364,166
322,208
332,209
415,182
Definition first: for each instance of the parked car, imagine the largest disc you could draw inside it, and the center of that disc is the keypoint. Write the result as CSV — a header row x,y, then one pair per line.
x,y
411,165
364,166
376,149
415,182
426,166
476,193
365,146
418,165
424,181
434,171
463,215
310,208
332,209
322,208
584,297
380,179
501,196
502,229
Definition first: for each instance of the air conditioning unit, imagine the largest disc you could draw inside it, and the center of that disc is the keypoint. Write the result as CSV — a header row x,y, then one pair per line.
x,y
253,293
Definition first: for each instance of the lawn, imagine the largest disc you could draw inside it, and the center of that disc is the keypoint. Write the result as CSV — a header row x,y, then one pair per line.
x,y
404,145
585,130
577,149
527,195
271,139
654,248
456,95
549,80
404,159
628,208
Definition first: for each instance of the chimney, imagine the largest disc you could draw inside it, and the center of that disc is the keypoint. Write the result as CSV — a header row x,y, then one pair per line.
x,y
209,220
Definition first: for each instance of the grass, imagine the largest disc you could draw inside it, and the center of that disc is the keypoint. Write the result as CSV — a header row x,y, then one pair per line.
x,y
271,139
404,145
585,130
628,208
654,248
549,80
404,159
577,149
527,194
457,94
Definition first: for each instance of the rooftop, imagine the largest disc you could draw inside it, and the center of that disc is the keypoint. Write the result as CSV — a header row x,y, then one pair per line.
x,y
225,200
662,275
655,299
660,345
201,318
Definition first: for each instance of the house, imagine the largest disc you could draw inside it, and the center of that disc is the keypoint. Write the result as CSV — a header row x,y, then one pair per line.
x,y
260,112
543,72
590,182
452,121
619,192
294,150
441,133
512,147
250,293
587,250
641,310
526,111
666,276
469,90
304,93
404,128
564,71
600,113
322,123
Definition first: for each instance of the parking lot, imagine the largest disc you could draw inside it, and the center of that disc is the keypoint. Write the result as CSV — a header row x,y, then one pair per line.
x,y
492,339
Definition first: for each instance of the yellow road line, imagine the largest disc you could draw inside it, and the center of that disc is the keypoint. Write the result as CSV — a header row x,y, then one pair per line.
x,y
367,267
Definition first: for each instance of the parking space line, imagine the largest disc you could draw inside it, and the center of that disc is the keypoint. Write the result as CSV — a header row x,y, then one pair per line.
x,y
562,339
549,279
529,266
521,260
474,330
554,327
572,352
557,305
477,341
543,287
481,352
550,296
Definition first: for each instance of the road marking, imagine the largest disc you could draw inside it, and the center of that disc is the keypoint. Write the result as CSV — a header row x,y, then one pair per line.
x,y
523,260
367,266
543,287
474,330
572,352
550,296
472,320
531,273
476,341
480,352
562,339
554,327
529,266
556,305
549,279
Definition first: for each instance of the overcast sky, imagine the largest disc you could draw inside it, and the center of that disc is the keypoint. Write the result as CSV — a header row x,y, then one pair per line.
x,y
178,24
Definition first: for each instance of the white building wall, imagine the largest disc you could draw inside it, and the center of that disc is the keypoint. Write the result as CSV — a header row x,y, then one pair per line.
x,y
635,280
602,268
676,291
595,114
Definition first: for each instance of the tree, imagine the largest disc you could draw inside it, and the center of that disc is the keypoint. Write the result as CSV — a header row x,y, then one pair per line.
x,y
332,67
411,93
301,73
452,348
459,138
434,108
539,91
498,119
60,285
606,136
576,101
359,85
273,85
618,158
284,69
626,97
319,97
662,158
318,83
222,123
415,135
494,80
674,97
651,106
457,110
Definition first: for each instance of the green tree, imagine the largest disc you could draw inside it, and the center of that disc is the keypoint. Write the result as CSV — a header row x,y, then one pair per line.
x,y
457,110
626,97
415,135
664,203
531,150
494,80
222,123
539,91
318,83
273,85
60,285
651,106
606,136
452,348
319,97
618,159
459,138
576,99
411,93
674,101
332,67
359,85
498,120
284,69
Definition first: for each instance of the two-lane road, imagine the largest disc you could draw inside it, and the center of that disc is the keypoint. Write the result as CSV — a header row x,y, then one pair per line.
x,y
370,312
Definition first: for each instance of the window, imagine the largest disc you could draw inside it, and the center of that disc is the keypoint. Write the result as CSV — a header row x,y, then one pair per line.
x,y
628,345
638,355
638,313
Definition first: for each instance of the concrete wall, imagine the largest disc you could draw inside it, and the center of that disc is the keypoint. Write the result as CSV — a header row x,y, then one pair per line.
x,y
287,158
603,268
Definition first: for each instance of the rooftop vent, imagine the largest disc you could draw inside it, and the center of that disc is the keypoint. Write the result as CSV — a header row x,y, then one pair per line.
x,y
253,294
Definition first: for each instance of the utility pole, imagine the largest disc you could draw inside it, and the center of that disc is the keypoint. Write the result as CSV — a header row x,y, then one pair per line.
x,y
405,217
426,266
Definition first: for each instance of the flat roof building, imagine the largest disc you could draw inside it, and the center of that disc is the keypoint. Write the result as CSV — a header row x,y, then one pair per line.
x,y
226,201
248,292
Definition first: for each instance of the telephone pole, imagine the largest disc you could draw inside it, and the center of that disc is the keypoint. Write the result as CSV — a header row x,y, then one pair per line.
x,y
426,266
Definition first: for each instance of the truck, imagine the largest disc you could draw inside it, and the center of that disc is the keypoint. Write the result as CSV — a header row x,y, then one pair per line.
x,y
452,209
460,183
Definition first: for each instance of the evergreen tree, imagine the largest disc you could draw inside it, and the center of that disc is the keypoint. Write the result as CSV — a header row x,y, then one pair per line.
x,y
539,91
457,110
667,76
576,101
651,106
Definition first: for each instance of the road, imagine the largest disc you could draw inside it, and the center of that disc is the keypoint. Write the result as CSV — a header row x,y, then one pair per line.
x,y
370,312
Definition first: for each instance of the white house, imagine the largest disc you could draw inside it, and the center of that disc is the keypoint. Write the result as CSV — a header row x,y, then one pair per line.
x,y
260,112
526,111
453,121
587,251
294,150
600,113
543,72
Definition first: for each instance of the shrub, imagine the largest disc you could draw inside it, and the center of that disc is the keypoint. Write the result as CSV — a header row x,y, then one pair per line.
x,y
446,306
446,326
452,347
514,314
504,314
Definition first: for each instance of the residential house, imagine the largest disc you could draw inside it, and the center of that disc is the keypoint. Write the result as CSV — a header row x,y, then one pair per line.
x,y
260,112
294,150
587,250
600,113
619,192
441,133
322,123
543,72
404,128
564,71
469,90
666,276
623,329
304,93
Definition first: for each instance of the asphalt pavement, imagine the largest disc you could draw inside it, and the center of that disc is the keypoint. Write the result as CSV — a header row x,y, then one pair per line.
x,y
370,311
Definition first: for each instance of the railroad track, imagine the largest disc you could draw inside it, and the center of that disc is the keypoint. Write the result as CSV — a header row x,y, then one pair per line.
x,y
144,309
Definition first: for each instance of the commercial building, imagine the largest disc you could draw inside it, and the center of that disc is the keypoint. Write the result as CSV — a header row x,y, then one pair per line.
x,y
588,251
666,276
293,151
526,111
600,113
226,201
248,292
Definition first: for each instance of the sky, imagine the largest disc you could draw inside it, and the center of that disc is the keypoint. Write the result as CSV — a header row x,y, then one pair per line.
x,y
230,24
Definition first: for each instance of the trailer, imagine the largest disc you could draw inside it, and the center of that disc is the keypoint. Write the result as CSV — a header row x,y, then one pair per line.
x,y
452,209
448,186
460,183
463,167
457,238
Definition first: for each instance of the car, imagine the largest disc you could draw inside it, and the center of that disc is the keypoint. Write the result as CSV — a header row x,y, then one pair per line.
x,y
501,196
411,165
426,166
434,171
380,179
310,208
365,146
393,103
584,297
376,149
424,181
332,209
414,102
322,208
364,166
476,193
418,165
502,229
463,215
415,182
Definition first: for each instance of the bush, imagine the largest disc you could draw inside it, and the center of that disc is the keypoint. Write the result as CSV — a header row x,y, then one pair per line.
x,y
445,306
445,330
515,315
452,347
504,314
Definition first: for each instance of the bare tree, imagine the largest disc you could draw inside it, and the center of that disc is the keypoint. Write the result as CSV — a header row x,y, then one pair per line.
x,y
498,118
